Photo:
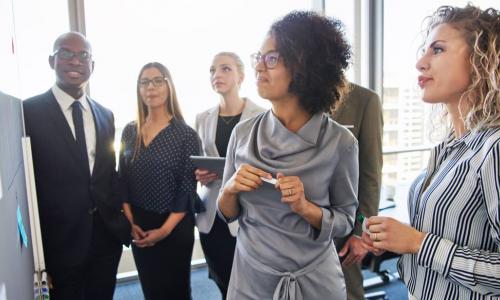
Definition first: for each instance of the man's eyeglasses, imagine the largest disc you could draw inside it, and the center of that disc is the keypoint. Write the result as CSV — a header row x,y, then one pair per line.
x,y
270,59
156,81
66,54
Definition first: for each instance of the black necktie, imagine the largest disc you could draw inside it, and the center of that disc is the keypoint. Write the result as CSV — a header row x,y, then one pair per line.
x,y
80,133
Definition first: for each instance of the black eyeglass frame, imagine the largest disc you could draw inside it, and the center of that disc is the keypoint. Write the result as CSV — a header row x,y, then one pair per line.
x,y
66,54
157,81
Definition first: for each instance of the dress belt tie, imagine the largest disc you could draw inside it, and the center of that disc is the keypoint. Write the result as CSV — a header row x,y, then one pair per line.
x,y
287,288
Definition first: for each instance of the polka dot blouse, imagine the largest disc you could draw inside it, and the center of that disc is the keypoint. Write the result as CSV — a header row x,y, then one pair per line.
x,y
161,177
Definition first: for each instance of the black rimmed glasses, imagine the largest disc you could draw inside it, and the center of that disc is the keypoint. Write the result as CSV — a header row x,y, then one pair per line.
x,y
156,81
66,54
270,59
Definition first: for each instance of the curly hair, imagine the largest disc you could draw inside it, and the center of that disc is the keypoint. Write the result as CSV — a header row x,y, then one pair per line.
x,y
317,54
481,29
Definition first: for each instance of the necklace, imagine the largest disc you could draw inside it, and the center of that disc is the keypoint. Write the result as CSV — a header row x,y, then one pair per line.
x,y
228,119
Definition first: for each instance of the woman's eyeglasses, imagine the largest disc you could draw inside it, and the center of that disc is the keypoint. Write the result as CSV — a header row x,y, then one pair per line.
x,y
270,59
156,81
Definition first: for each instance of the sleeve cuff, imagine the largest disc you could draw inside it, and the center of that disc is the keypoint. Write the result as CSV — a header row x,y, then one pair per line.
x,y
227,220
188,203
436,253
325,233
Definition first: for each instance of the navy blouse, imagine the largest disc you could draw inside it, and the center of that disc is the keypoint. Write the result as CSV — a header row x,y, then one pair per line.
x,y
161,177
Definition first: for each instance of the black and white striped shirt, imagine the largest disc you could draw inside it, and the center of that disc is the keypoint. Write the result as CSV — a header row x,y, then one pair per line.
x,y
460,212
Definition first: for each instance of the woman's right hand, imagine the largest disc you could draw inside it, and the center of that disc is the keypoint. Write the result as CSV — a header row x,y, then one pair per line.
x,y
137,233
245,179
205,176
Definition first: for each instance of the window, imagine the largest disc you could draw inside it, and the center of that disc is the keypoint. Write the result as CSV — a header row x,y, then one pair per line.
x,y
344,11
181,37
27,43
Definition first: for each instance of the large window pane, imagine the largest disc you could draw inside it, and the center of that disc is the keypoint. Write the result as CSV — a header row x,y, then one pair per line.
x,y
183,35
344,11
28,30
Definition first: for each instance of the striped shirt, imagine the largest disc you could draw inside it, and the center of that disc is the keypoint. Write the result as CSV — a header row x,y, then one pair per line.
x,y
460,212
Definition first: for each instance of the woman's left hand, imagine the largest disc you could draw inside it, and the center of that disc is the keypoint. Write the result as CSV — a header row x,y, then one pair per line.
x,y
152,237
391,235
292,192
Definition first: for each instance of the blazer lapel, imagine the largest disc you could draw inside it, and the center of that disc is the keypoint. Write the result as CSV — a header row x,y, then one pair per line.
x,y
212,119
62,127
249,110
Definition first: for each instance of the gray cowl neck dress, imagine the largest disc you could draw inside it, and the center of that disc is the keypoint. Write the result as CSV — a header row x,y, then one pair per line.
x,y
278,254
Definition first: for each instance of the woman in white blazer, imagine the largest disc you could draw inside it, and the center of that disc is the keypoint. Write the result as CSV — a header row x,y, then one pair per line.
x,y
214,126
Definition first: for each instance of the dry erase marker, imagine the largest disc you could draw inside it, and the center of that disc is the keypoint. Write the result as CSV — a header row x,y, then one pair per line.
x,y
272,181
362,220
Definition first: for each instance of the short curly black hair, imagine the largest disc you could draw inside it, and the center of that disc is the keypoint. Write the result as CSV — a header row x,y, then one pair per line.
x,y
317,54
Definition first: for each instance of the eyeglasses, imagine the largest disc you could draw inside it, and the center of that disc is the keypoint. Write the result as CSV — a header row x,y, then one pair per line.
x,y
66,54
270,59
156,81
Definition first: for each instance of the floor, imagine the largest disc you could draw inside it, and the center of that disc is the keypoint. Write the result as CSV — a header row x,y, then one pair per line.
x,y
205,289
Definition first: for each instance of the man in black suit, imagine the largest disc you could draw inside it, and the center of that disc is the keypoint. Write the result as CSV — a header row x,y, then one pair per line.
x,y
72,137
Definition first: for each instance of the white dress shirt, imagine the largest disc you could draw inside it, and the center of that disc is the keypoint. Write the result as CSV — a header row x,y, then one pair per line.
x,y
65,101
459,210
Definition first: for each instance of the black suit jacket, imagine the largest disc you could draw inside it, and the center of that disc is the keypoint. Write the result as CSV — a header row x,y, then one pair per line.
x,y
66,192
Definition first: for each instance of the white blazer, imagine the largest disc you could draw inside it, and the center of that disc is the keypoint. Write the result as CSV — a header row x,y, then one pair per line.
x,y
206,127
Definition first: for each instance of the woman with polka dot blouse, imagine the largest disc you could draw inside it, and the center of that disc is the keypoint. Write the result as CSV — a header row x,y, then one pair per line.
x,y
160,186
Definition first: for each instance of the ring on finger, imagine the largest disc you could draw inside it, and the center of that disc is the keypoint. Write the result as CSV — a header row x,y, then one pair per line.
x,y
290,192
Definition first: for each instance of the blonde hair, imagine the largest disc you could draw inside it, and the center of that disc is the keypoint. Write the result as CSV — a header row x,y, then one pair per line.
x,y
236,58
172,104
481,30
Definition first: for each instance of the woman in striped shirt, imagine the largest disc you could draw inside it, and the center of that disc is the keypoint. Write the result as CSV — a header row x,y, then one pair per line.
x,y
451,248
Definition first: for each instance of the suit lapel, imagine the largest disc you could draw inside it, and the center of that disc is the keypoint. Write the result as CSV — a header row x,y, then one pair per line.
x,y
99,134
62,127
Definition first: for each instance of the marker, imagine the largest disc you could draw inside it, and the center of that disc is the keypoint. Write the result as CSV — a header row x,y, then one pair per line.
x,y
362,220
272,181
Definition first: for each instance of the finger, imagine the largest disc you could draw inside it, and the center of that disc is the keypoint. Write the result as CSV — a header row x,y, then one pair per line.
x,y
376,228
290,199
140,243
376,220
201,172
348,260
257,172
278,176
247,182
250,176
344,250
359,260
289,179
379,246
287,185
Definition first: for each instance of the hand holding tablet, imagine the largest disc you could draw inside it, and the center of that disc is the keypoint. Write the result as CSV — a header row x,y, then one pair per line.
x,y
213,164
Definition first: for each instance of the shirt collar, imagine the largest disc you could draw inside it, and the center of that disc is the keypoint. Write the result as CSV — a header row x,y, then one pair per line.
x,y
467,139
65,100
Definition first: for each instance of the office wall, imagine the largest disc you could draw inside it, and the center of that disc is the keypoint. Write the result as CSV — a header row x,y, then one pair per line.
x,y
16,260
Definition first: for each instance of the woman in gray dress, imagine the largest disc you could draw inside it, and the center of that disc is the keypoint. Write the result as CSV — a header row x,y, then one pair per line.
x,y
284,247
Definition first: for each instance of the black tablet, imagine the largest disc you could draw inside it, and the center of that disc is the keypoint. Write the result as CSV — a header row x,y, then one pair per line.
x,y
213,164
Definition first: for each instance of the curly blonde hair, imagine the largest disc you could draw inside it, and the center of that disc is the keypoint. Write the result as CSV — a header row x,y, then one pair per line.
x,y
481,29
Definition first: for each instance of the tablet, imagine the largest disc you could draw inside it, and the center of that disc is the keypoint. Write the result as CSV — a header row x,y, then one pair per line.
x,y
213,164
